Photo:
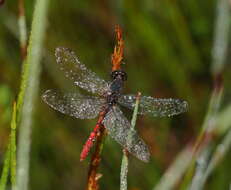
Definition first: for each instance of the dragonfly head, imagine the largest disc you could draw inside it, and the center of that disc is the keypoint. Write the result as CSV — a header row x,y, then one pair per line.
x,y
119,74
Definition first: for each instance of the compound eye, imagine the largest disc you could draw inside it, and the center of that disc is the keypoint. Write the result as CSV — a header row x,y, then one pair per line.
x,y
120,73
114,74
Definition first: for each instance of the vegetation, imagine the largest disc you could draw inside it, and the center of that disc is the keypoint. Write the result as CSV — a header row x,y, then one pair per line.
x,y
175,49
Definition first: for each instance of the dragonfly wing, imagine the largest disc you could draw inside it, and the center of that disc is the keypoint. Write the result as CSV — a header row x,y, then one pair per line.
x,y
78,73
74,104
157,107
119,128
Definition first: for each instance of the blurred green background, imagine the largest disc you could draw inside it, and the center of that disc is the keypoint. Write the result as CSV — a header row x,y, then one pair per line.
x,y
167,54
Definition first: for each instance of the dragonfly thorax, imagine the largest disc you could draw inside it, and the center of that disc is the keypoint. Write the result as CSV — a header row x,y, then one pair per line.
x,y
112,99
116,86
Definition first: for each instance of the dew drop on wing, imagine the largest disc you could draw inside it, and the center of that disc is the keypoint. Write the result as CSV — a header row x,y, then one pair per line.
x,y
119,129
157,107
74,104
78,73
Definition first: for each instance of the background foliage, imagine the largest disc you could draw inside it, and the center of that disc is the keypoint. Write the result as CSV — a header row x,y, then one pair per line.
x,y
168,47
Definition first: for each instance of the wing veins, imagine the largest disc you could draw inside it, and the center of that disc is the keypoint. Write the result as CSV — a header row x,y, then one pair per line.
x,y
157,107
74,104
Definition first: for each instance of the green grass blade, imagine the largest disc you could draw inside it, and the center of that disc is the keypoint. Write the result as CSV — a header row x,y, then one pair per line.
x,y
135,112
124,172
10,155
174,173
217,157
219,154
13,146
6,169
200,168
28,92
219,55
221,36
124,164
224,120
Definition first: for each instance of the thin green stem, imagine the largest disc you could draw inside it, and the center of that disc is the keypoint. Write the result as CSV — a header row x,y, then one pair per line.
x,y
124,164
219,51
13,146
219,54
218,155
209,127
10,155
28,92
124,171
6,168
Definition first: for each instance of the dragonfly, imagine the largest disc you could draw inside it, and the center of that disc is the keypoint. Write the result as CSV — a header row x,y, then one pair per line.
x,y
104,102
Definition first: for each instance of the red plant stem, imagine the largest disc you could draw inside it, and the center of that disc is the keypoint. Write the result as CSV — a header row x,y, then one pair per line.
x,y
93,176
90,141
99,130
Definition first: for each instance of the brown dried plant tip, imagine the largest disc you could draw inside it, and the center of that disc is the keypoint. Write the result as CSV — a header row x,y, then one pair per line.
x,y
21,10
117,55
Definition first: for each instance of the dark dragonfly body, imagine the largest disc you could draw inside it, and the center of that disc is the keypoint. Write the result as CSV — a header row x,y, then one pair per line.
x,y
105,104
116,86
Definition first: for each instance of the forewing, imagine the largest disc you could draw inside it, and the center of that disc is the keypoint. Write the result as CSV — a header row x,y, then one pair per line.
x,y
119,128
157,107
74,104
78,73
